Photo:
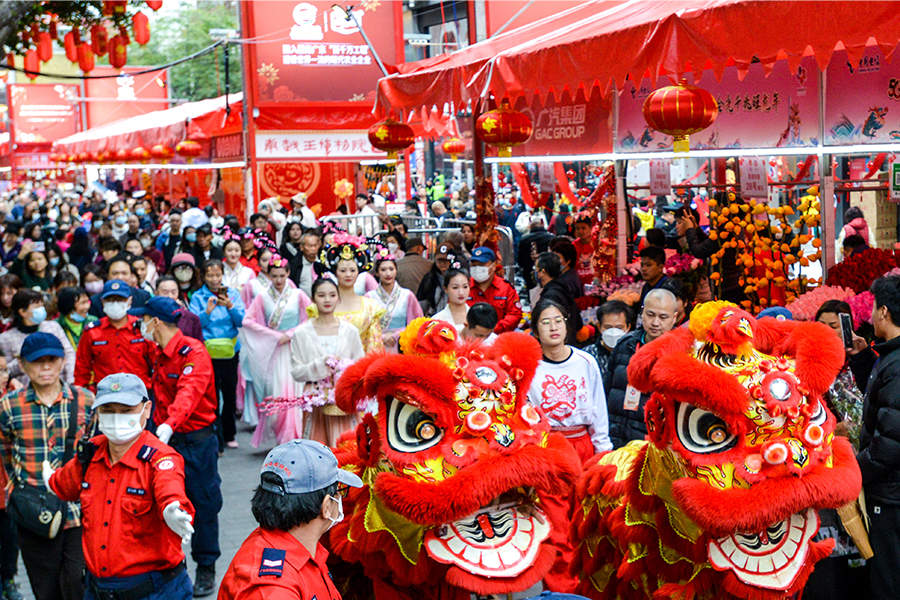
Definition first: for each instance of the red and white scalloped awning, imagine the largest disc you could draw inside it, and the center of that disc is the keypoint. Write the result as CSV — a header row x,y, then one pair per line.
x,y
603,43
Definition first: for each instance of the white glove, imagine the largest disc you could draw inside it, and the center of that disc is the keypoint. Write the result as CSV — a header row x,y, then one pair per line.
x,y
46,472
164,433
178,521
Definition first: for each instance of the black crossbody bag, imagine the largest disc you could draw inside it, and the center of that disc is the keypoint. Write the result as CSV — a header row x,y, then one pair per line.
x,y
37,509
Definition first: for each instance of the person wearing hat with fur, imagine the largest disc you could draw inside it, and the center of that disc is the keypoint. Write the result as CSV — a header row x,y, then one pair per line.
x,y
132,543
294,505
185,417
41,423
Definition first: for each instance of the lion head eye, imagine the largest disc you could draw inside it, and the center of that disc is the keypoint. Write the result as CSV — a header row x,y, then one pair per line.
x,y
701,431
410,429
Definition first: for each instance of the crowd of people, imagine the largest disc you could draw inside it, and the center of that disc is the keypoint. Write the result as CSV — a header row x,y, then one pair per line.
x,y
124,312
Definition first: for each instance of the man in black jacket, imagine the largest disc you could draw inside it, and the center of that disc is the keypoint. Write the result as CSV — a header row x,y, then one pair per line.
x,y
548,270
879,443
534,242
624,404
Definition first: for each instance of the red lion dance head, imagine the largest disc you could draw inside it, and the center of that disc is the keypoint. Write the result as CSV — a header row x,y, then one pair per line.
x,y
462,473
721,501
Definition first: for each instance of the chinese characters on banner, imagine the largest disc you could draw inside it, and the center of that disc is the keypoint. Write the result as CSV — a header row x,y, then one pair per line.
x,y
43,113
576,125
871,113
781,110
660,177
310,52
753,177
124,96
315,145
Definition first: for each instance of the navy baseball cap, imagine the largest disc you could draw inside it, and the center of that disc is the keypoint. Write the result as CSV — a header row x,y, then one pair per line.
x,y
305,466
40,344
115,287
120,388
161,307
482,254
776,312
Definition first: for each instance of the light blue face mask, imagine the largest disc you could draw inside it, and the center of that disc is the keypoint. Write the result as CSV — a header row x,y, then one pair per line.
x,y
54,261
140,212
121,220
38,315
77,317
191,237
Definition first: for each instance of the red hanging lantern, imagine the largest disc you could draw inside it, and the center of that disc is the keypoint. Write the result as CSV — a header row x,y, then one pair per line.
x,y
680,110
453,147
45,46
391,136
11,60
161,152
122,156
189,149
503,127
154,4
99,39
32,64
82,157
118,52
114,7
70,43
85,58
140,24
53,29
140,153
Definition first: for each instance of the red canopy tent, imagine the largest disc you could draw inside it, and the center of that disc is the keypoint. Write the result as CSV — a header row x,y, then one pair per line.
x,y
602,43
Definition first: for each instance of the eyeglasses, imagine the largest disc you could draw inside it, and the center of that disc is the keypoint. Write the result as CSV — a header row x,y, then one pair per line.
x,y
556,321
342,490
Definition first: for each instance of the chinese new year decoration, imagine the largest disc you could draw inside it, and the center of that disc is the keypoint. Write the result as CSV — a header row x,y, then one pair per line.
x,y
391,137
188,149
503,127
140,153
140,24
85,57
32,63
680,110
118,51
454,147
161,152
602,203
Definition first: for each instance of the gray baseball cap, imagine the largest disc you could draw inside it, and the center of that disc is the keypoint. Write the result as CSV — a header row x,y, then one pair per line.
x,y
305,466
120,388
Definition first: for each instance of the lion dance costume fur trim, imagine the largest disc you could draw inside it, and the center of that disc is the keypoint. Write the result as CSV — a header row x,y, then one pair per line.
x,y
721,501
467,487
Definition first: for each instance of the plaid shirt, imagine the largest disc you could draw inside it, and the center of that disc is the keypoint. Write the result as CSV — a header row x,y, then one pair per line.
x,y
33,433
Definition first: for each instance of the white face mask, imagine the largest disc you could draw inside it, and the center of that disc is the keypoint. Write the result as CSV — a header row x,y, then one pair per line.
x,y
392,247
120,428
612,336
146,333
115,310
481,274
340,515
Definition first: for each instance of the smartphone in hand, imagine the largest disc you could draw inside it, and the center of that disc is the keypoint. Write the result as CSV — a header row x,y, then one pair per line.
x,y
847,330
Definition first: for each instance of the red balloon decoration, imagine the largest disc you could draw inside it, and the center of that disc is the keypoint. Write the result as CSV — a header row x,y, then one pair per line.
x,y
118,52
85,58
99,39
32,64
140,24
680,110
453,147
189,149
391,136
503,127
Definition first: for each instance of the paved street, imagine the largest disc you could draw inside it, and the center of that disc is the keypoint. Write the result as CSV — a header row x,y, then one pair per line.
x,y
240,472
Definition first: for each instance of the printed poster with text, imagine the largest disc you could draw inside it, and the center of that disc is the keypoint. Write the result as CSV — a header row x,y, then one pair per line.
x,y
781,110
310,51
862,101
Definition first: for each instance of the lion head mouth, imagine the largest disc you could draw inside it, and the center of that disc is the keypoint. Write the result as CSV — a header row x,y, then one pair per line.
x,y
500,539
771,558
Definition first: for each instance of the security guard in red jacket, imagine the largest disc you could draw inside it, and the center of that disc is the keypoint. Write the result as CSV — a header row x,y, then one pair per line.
x,y
131,488
487,286
113,344
298,499
185,413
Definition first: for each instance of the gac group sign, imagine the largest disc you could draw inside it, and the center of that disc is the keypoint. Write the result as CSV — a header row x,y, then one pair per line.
x,y
317,54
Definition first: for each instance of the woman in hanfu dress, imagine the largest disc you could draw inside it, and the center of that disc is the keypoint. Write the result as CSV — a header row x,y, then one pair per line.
x,y
260,283
400,304
270,322
346,258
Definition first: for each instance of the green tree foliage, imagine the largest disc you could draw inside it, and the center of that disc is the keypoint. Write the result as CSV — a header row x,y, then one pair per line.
x,y
180,34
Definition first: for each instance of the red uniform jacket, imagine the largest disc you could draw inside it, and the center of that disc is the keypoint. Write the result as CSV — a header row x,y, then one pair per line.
x,y
184,385
122,504
104,350
274,565
503,297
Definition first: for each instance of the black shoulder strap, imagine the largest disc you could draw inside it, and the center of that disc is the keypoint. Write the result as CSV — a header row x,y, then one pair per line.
x,y
73,426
